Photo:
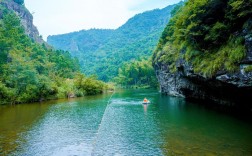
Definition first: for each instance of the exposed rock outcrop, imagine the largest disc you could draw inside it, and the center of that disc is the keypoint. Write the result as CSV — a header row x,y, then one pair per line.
x,y
26,19
232,89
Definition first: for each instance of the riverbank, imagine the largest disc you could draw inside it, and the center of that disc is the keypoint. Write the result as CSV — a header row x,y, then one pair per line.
x,y
68,88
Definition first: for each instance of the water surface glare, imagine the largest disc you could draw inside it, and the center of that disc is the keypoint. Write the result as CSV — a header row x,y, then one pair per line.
x,y
124,126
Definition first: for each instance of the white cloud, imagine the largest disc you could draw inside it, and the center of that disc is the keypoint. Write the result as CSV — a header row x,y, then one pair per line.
x,y
63,16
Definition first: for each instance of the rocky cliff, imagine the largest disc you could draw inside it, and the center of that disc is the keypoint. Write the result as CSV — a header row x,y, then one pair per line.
x,y
25,17
181,71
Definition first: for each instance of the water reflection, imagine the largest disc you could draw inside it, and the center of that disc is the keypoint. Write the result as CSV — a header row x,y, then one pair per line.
x,y
167,126
145,106
190,129
16,119
51,127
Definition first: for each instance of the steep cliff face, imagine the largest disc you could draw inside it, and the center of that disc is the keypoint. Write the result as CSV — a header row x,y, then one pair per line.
x,y
25,17
231,89
185,71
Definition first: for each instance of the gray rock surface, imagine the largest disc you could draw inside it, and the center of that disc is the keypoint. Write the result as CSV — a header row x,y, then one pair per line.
x,y
26,19
233,89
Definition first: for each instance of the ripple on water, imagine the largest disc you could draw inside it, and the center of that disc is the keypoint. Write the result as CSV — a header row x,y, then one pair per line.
x,y
168,126
127,130
127,101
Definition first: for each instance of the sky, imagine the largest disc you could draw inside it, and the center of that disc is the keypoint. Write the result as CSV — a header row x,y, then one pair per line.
x,y
53,17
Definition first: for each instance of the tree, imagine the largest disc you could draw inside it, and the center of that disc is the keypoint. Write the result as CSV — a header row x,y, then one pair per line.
x,y
137,73
206,34
30,71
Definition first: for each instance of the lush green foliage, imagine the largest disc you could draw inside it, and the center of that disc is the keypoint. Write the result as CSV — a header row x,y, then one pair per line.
x,y
207,34
88,85
137,73
32,72
248,68
102,52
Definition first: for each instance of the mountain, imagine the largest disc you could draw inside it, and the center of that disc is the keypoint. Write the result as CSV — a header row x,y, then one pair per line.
x,y
205,53
30,70
103,51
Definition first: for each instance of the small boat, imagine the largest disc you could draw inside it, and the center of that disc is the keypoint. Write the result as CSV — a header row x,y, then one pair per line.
x,y
146,102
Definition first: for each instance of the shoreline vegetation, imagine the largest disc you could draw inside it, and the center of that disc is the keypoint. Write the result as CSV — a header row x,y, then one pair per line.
x,y
137,74
33,72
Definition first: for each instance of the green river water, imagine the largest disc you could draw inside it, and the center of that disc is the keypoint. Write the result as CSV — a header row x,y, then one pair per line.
x,y
122,126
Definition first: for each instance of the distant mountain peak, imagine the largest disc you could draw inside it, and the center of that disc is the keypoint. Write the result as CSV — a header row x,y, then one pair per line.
x,y
103,51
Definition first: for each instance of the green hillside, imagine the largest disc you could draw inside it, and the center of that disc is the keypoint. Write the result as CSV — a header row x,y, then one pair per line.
x,y
102,52
31,72
208,34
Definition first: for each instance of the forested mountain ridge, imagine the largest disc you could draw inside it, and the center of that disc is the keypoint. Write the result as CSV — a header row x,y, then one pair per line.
x,y
205,52
32,71
103,51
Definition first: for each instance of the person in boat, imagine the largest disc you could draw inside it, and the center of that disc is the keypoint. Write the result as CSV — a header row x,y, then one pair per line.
x,y
145,100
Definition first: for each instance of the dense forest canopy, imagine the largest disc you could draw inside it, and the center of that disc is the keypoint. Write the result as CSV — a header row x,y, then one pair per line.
x,y
209,34
103,51
33,72
138,73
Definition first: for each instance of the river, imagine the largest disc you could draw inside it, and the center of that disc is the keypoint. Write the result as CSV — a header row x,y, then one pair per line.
x,y
119,124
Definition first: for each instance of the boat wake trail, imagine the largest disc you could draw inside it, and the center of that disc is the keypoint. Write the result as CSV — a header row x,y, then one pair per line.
x,y
98,131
